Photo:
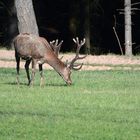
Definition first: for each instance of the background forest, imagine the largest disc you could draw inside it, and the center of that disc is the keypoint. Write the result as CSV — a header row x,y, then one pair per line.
x,y
67,19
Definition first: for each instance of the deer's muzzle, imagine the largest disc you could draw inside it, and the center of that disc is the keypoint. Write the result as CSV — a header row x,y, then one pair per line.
x,y
69,82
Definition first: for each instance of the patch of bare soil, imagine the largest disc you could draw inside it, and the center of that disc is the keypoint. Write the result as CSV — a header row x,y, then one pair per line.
x,y
102,62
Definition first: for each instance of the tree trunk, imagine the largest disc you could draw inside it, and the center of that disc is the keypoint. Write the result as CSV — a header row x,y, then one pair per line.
x,y
87,25
26,17
128,33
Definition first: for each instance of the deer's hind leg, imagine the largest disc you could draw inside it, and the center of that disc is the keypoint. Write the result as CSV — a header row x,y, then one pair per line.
x,y
33,71
27,70
41,75
17,66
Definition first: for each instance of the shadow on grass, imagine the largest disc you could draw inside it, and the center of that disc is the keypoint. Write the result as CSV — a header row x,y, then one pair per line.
x,y
56,85
46,85
14,83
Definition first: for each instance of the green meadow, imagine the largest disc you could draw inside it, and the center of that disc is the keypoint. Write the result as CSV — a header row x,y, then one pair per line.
x,y
100,105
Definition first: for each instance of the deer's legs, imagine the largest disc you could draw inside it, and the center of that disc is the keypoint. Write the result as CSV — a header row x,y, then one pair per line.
x,y
17,66
41,75
33,71
27,70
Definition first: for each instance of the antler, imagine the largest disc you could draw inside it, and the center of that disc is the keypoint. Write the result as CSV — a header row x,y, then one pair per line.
x,y
77,57
56,46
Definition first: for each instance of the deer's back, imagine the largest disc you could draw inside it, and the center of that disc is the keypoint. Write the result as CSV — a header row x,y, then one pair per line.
x,y
31,46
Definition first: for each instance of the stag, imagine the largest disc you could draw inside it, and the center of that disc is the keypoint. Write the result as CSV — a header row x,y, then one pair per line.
x,y
38,51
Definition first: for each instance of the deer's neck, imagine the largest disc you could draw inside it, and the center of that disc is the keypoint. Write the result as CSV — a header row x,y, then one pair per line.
x,y
56,63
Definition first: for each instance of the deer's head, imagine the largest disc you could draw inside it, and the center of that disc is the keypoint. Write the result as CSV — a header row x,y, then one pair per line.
x,y
72,65
65,70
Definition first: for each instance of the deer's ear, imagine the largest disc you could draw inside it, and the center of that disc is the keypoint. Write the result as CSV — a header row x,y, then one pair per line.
x,y
67,64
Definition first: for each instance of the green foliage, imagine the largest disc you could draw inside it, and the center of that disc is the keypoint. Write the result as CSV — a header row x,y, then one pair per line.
x,y
100,105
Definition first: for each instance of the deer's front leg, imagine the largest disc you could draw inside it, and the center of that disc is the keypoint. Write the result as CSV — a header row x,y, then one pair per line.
x,y
41,75
33,71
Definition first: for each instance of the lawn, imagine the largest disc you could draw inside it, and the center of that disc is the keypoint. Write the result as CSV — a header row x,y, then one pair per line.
x,y
100,105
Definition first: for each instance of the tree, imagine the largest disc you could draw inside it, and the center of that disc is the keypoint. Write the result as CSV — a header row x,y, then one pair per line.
x,y
87,24
26,17
128,34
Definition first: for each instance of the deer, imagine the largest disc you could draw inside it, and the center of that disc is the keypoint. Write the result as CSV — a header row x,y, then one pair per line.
x,y
36,50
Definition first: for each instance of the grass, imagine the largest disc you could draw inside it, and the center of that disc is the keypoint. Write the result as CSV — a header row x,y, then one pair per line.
x,y
100,105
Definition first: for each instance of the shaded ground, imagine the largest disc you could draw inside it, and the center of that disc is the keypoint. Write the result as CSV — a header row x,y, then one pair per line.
x,y
102,62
